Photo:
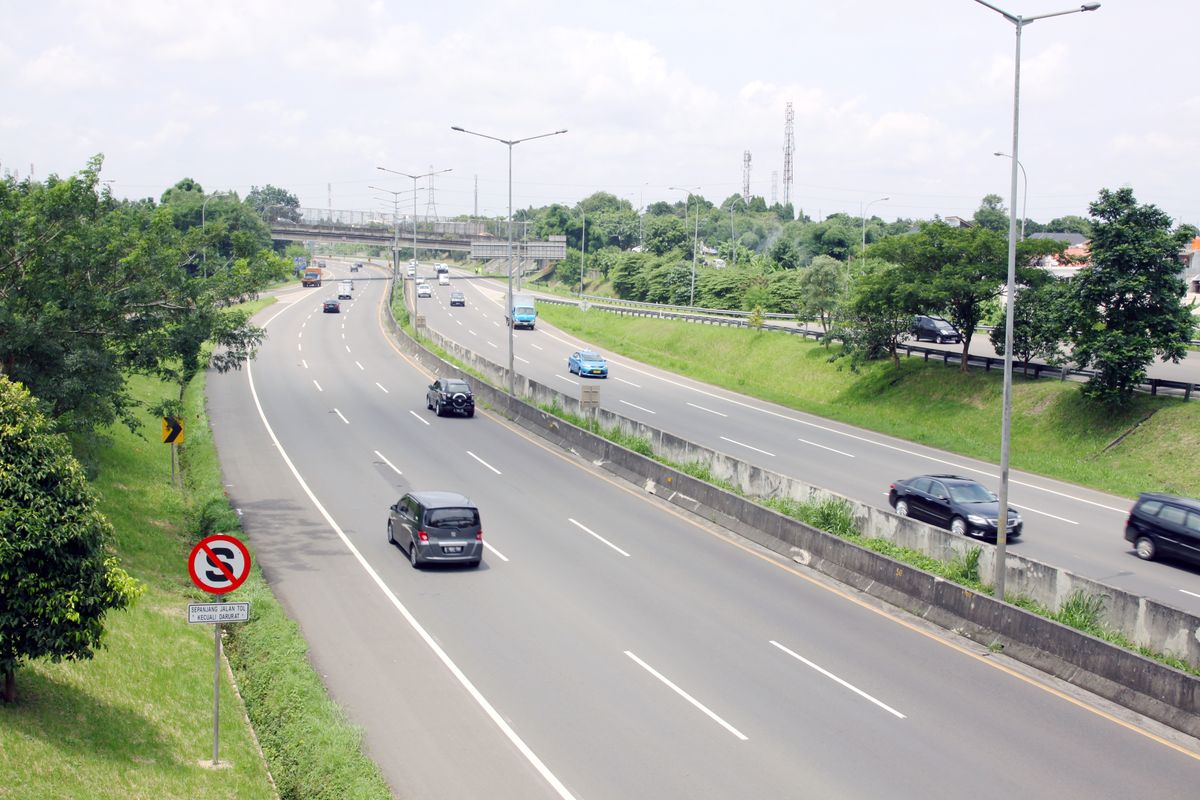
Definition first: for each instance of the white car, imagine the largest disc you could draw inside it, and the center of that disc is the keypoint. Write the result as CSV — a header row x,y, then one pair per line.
x,y
412,271
424,290
443,279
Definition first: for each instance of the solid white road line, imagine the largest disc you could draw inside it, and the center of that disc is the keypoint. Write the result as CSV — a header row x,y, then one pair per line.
x,y
383,458
419,418
750,447
499,721
342,416
709,410
568,380
495,552
833,677
481,461
639,408
319,389
598,536
1193,594
823,447
688,697
381,386
360,366
631,383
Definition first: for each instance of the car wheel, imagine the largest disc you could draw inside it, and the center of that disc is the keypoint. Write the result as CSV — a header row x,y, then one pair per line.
x,y
438,409
413,558
1145,548
391,538
902,508
958,526
428,404
470,413
475,564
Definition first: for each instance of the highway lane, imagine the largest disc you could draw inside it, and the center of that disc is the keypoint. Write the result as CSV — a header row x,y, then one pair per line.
x,y
1065,525
635,652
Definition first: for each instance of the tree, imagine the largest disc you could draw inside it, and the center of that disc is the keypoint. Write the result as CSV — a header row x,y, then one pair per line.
x,y
1040,320
1128,308
784,254
273,203
837,237
664,234
822,283
992,214
58,575
1070,224
876,316
957,270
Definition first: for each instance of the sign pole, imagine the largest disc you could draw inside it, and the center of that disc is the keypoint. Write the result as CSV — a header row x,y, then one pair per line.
x,y
216,688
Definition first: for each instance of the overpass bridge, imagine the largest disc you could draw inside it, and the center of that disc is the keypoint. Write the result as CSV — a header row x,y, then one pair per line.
x,y
480,238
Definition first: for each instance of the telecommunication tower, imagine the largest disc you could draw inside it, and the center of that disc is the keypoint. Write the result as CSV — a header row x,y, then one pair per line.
x,y
789,147
746,177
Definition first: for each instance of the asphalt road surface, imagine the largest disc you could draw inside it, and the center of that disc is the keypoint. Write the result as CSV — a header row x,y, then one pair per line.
x,y
1066,525
609,646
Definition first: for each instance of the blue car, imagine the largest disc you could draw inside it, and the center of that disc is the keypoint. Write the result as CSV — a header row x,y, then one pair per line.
x,y
587,362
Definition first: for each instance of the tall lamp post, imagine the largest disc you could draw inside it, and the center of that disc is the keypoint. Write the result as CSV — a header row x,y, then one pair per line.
x,y
510,143
415,178
583,250
1018,22
1024,193
696,236
395,227
862,212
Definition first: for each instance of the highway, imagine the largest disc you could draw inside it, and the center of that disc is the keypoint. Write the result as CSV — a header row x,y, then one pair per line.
x,y
1065,525
609,646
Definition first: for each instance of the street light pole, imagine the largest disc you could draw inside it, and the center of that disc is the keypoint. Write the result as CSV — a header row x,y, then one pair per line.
x,y
395,227
509,143
1018,22
695,238
415,178
583,251
862,212
1024,194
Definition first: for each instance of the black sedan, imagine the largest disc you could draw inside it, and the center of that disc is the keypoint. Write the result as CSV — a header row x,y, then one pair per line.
x,y
332,307
963,505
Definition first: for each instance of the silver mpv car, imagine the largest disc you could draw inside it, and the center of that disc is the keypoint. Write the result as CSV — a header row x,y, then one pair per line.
x,y
436,527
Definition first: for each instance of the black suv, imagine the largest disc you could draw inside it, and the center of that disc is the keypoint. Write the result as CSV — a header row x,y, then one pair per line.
x,y
450,395
1163,525
438,527
963,505
935,329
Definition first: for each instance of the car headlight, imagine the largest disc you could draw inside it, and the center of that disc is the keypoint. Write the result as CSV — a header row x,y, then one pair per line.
x,y
1015,519
976,519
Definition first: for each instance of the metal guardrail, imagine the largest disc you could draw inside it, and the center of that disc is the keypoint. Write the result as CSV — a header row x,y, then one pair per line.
x,y
1153,385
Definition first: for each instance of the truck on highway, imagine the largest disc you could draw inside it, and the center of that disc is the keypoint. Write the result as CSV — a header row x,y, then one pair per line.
x,y
312,276
523,313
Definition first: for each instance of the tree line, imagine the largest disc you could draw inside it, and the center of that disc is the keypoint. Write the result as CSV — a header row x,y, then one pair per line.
x,y
94,290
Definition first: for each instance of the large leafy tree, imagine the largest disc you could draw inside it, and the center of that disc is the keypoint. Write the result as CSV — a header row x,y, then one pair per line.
x,y
955,271
1129,307
273,203
875,317
665,233
58,575
823,284
992,214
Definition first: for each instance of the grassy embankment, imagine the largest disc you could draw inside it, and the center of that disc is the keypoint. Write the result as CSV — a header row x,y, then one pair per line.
x,y
136,721
1149,446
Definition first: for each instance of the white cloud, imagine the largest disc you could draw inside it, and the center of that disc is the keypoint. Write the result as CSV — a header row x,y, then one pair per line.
x,y
63,69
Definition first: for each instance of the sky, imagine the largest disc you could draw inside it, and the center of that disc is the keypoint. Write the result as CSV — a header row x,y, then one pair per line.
x,y
904,100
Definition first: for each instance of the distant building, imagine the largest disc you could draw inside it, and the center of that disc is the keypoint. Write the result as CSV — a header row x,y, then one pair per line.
x,y
1078,253
1189,258
958,222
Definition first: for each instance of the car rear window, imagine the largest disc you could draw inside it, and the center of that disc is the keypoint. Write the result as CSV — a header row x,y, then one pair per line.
x,y
1150,507
456,386
452,517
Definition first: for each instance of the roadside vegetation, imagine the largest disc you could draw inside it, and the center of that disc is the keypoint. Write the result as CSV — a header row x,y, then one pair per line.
x,y
1147,445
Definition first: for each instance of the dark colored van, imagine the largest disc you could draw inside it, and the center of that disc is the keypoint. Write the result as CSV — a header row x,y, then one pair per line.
x,y
436,527
1164,525
935,329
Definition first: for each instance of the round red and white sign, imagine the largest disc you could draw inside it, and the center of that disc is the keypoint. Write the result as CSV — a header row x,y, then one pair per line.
x,y
219,564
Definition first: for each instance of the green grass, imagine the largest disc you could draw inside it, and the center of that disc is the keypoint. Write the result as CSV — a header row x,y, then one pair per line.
x,y
1056,432
136,720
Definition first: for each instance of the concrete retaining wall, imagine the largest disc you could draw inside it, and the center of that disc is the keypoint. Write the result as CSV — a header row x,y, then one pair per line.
x,y
1144,685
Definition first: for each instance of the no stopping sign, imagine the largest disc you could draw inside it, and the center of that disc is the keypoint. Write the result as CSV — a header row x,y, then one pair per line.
x,y
219,564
